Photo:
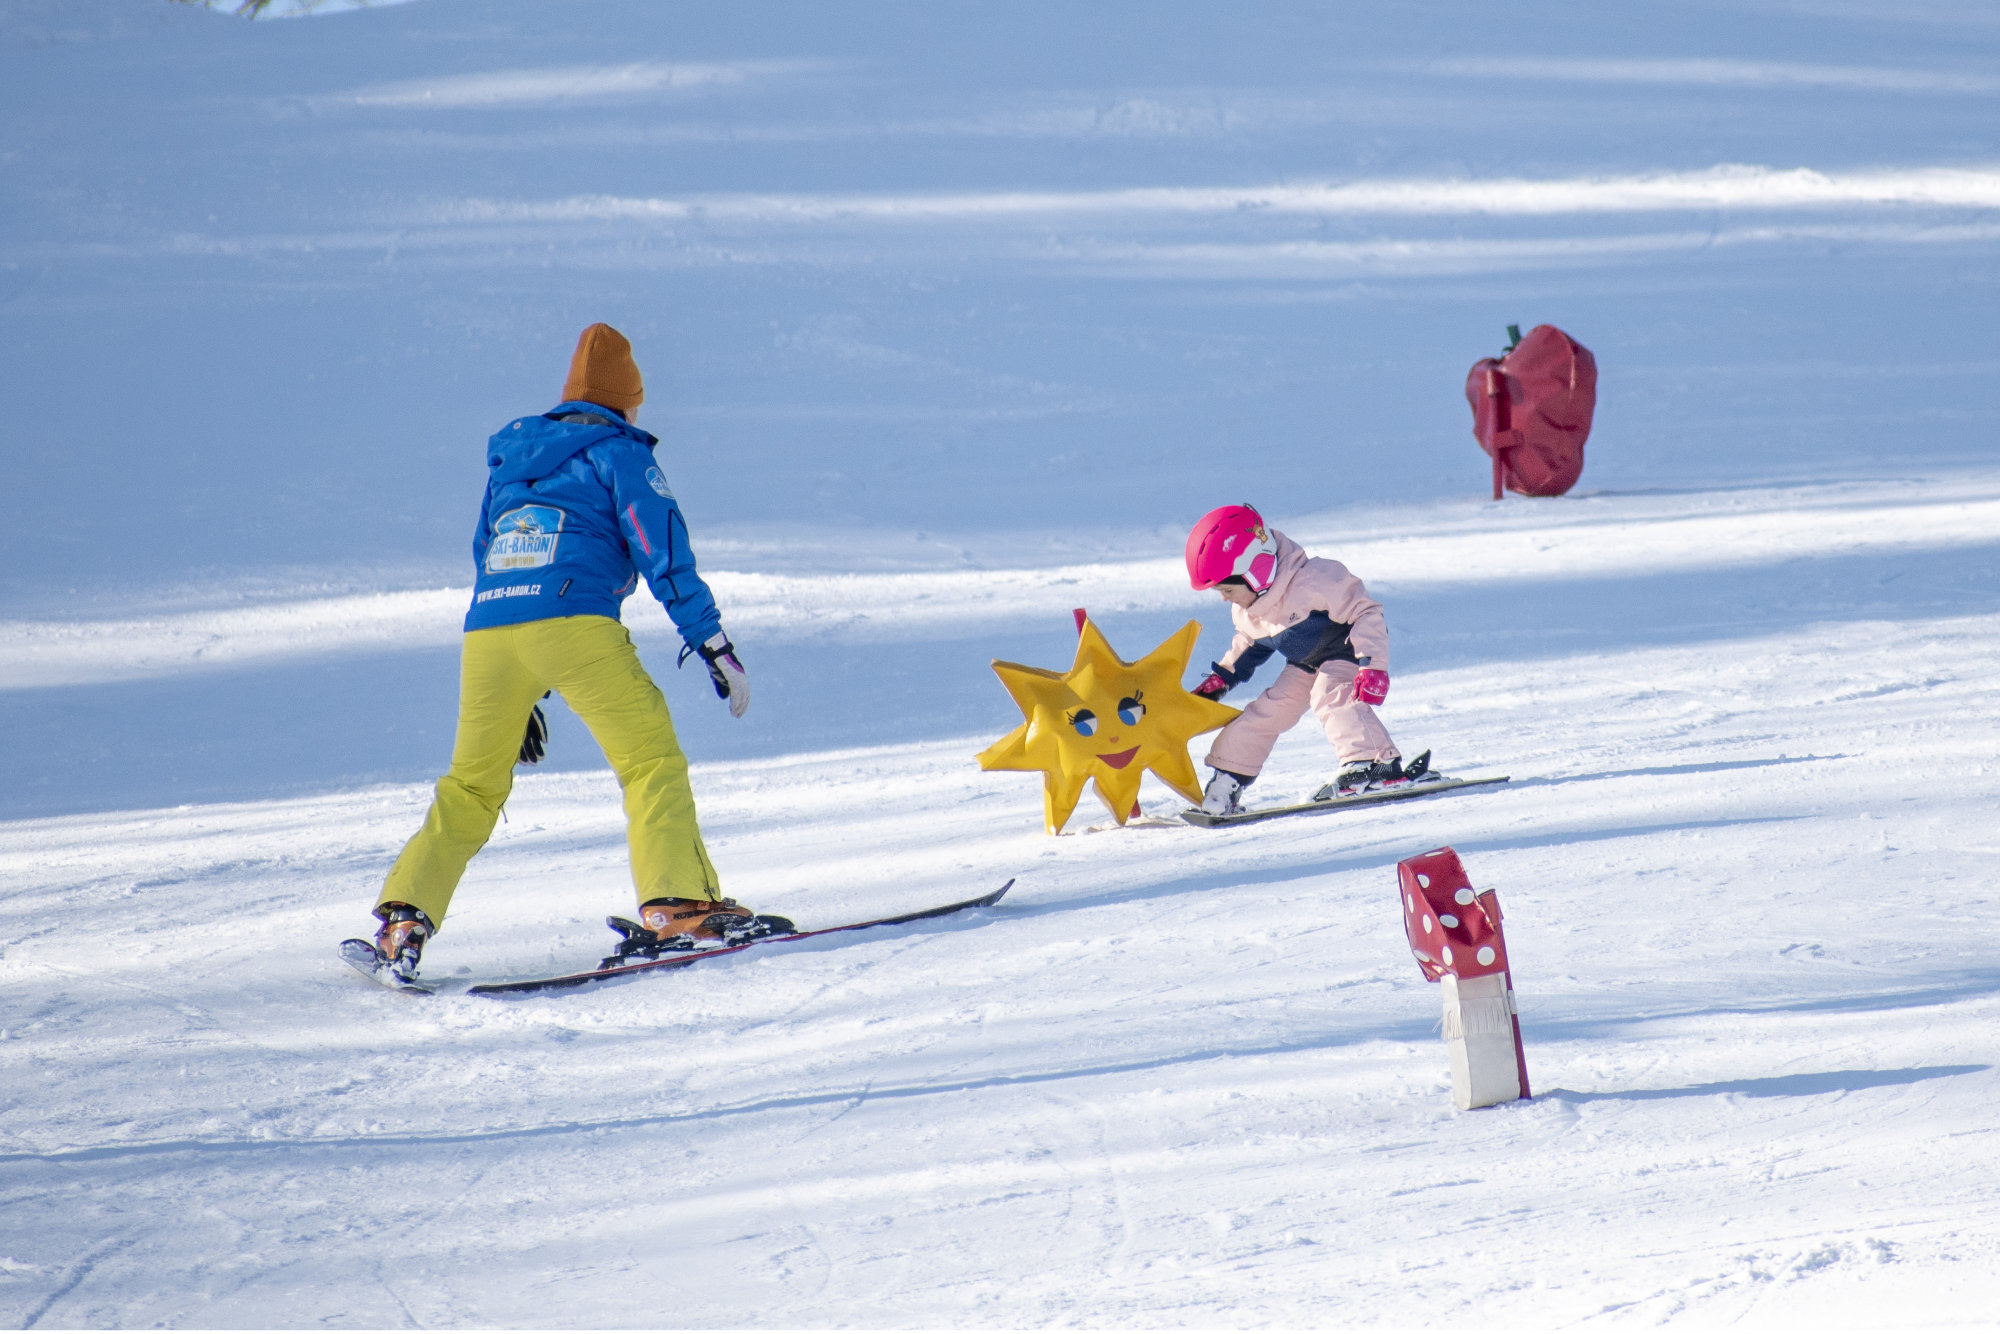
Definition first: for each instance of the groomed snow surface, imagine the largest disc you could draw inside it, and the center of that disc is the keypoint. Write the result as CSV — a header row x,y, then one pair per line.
x,y
1177,1077
953,319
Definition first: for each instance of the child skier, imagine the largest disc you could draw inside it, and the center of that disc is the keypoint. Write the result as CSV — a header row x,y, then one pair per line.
x,y
1334,642
575,511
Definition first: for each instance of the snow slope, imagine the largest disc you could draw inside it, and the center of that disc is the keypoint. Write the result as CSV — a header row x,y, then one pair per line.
x,y
953,318
1179,1076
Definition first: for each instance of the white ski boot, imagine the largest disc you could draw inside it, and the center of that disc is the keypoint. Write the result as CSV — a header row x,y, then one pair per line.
x,y
1223,795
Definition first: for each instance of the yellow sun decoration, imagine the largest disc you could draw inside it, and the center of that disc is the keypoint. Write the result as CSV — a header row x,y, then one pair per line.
x,y
1108,721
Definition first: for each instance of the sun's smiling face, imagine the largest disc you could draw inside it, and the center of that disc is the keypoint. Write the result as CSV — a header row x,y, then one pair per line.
x,y
1106,725
1127,714
1108,721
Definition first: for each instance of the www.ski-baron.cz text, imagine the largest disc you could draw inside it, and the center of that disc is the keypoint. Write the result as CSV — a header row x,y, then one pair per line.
x,y
516,591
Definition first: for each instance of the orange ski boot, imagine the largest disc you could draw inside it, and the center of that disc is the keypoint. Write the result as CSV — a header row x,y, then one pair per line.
x,y
691,924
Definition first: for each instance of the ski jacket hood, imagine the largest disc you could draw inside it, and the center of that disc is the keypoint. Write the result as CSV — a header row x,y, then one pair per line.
x,y
534,447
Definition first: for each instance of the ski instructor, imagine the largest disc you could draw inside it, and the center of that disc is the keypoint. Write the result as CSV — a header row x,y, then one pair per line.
x,y
575,511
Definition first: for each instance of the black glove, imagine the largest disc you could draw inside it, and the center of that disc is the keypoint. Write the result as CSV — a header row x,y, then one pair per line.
x,y
535,743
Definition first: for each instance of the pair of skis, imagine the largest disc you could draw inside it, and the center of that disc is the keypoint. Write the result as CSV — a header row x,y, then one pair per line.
x,y
362,955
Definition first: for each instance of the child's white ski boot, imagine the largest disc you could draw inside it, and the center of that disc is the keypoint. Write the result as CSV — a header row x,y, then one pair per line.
x,y
1223,795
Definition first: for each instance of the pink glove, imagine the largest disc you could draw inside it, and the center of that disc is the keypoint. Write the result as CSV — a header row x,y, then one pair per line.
x,y
1371,686
1212,687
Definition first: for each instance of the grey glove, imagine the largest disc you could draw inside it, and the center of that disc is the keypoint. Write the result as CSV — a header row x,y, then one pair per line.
x,y
726,670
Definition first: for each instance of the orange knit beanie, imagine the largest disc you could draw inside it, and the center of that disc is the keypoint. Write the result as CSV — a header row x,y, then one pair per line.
x,y
603,372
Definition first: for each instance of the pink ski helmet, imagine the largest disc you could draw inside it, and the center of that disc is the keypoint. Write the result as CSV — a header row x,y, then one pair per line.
x,y
1232,541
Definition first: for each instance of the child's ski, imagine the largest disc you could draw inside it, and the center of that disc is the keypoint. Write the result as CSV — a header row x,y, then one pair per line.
x,y
1398,792
696,956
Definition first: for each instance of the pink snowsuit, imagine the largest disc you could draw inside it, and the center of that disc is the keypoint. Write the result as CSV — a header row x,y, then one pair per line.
x,y
1321,659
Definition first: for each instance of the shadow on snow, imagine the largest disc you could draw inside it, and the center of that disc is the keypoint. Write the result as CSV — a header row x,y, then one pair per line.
x,y
1779,1086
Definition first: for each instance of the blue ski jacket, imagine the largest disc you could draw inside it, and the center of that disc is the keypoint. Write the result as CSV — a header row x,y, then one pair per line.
x,y
575,511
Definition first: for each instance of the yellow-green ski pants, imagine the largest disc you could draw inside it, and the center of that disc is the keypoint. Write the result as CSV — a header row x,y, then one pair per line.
x,y
590,662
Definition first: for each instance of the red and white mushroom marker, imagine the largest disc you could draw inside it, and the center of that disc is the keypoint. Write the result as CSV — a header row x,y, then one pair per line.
x,y
1456,935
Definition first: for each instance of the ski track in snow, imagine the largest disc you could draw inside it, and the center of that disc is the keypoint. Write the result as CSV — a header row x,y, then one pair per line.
x,y
953,318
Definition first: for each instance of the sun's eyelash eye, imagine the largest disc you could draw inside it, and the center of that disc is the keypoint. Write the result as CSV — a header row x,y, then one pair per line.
x,y
1084,721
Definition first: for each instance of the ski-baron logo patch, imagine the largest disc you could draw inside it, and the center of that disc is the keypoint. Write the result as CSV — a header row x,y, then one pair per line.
x,y
524,538
657,480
